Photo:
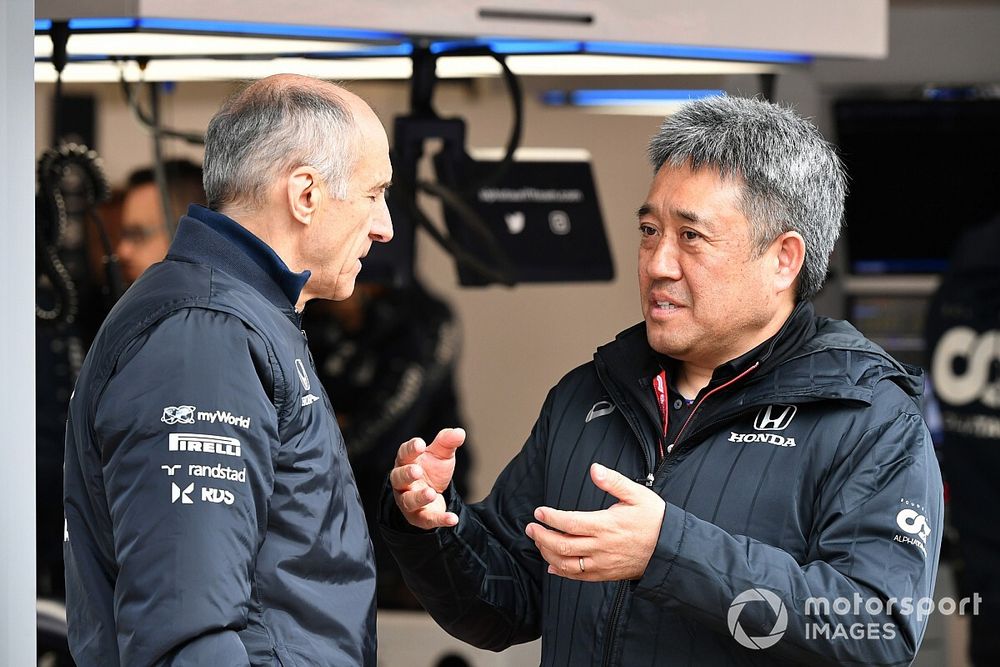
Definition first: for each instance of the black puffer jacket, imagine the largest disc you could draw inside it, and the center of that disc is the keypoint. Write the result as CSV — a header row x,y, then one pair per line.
x,y
805,470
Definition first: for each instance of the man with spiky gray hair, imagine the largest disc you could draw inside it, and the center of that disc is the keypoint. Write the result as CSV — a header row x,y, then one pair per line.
x,y
682,496
211,514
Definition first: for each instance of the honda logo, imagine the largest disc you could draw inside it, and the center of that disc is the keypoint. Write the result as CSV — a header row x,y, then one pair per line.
x,y
300,368
774,418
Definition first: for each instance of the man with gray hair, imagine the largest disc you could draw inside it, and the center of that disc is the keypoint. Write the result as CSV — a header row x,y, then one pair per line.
x,y
686,495
211,514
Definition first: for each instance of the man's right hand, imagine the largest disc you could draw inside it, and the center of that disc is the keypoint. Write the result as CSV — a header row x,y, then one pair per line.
x,y
421,474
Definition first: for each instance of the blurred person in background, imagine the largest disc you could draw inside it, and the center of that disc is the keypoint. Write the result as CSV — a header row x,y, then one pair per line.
x,y
387,356
963,338
145,234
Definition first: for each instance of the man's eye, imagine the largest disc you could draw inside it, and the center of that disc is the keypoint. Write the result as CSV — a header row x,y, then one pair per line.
x,y
647,230
689,235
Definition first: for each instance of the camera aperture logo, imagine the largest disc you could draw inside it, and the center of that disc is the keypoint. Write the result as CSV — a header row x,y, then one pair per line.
x,y
841,618
757,595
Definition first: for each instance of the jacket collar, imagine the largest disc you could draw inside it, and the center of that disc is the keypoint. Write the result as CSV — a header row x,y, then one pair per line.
x,y
208,237
842,364
797,329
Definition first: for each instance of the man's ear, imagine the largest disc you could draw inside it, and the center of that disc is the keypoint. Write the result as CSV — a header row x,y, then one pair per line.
x,y
303,193
790,254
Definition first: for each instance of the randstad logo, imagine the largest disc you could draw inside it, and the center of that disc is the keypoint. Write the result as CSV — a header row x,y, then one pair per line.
x,y
757,595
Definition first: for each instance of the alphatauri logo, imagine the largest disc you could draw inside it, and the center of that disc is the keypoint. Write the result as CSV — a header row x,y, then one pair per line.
x,y
912,520
962,367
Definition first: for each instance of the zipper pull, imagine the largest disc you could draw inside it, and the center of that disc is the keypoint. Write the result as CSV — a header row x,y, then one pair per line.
x,y
649,480
670,447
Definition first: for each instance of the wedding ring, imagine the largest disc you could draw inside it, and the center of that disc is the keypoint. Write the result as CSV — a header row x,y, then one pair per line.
x,y
582,568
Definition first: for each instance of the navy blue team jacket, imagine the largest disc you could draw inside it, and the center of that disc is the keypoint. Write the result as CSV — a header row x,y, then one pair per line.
x,y
211,514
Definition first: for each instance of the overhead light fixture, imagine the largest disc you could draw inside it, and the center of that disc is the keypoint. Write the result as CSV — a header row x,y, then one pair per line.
x,y
642,102
357,68
179,50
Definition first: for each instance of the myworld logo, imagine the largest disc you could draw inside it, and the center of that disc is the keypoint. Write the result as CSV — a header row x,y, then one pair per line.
x,y
757,595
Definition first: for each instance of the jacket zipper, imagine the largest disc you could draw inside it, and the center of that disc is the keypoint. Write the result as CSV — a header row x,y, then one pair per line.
x,y
670,448
620,594
616,609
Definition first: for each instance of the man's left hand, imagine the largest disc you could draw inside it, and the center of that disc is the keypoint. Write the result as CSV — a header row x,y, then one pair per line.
x,y
606,545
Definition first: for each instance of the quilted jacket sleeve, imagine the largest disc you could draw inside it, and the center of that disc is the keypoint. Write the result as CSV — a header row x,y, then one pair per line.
x,y
482,579
876,538
187,432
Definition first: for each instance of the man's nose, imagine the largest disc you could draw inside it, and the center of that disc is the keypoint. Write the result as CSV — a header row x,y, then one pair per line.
x,y
663,261
382,225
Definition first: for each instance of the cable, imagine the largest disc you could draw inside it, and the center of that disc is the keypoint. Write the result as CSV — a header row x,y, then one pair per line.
x,y
59,34
149,123
422,89
51,220
517,107
503,270
517,104
460,254
159,169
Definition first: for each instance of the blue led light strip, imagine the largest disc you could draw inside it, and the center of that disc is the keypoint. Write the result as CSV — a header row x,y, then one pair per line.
x,y
695,52
220,27
511,46
504,46
620,97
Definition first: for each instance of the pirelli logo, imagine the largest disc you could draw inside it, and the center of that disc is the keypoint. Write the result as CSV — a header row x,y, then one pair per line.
x,y
204,443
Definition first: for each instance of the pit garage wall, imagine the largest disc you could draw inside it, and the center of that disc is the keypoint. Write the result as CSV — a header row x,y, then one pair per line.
x,y
17,409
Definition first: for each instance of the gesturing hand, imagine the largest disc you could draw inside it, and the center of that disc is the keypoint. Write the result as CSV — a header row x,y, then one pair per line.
x,y
420,476
606,545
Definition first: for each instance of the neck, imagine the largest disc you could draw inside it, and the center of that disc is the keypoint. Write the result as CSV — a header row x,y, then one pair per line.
x,y
692,377
267,226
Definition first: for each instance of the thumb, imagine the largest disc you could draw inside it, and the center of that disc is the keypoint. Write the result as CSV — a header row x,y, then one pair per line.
x,y
615,483
446,442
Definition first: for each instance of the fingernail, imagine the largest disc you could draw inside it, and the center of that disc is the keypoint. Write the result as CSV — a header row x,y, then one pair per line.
x,y
539,515
599,471
551,570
